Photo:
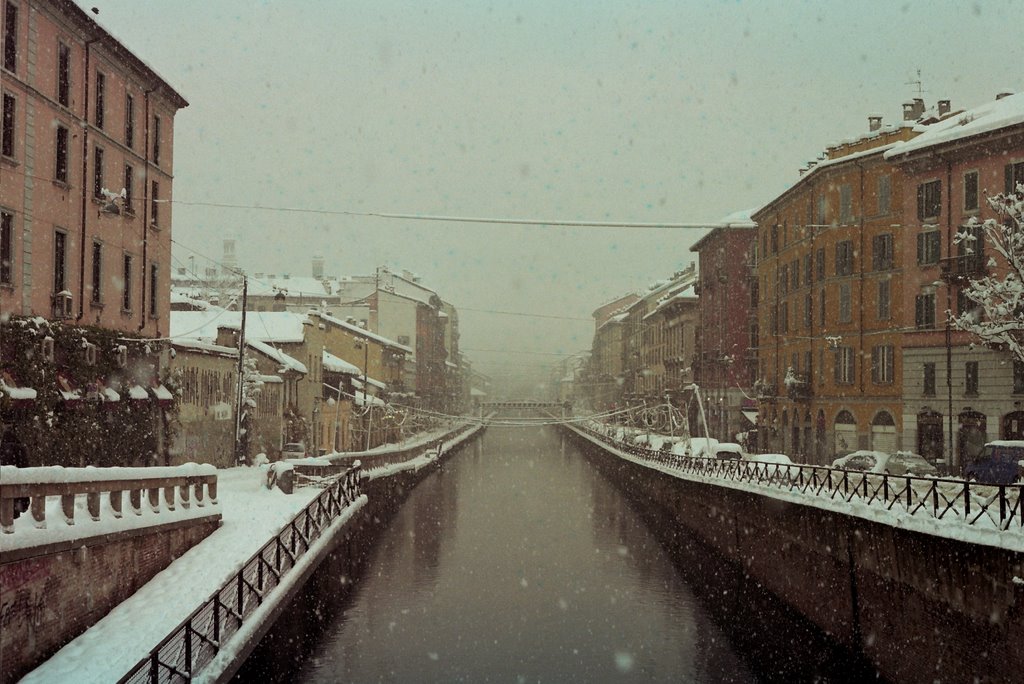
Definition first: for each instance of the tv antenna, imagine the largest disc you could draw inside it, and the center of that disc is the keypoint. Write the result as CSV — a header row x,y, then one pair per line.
x,y
920,89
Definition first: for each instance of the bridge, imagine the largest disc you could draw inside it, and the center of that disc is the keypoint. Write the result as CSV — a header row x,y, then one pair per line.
x,y
524,404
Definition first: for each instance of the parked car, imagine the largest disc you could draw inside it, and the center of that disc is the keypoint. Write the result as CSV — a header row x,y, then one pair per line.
x,y
1000,462
900,463
727,451
774,460
294,450
702,447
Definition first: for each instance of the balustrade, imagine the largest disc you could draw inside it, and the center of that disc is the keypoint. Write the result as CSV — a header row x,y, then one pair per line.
x,y
29,490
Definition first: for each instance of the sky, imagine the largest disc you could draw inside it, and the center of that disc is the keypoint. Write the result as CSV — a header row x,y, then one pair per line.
x,y
671,112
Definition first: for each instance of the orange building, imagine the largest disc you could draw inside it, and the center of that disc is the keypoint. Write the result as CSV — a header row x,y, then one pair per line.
x,y
83,117
830,318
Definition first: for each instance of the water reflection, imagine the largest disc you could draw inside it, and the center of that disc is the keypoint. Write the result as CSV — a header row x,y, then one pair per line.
x,y
513,565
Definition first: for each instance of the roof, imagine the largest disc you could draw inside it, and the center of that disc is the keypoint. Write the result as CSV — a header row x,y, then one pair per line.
x,y
276,354
72,10
738,220
203,347
283,327
985,118
291,286
363,332
336,364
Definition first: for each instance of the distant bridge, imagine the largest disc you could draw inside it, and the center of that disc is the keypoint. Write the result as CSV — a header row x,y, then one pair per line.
x,y
529,404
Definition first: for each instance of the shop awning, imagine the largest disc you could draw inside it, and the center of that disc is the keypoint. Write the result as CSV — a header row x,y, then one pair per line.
x,y
9,387
138,393
68,392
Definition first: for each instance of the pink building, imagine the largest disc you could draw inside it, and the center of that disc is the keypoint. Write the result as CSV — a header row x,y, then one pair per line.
x,y
957,395
82,115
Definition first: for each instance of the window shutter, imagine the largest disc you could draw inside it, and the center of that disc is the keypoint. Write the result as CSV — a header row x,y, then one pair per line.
x,y
1008,178
874,364
920,248
920,202
839,361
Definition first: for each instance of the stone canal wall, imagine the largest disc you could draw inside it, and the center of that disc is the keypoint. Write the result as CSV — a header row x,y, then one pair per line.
x,y
920,607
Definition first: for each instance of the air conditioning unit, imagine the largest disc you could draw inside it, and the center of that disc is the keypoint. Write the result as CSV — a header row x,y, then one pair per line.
x,y
62,305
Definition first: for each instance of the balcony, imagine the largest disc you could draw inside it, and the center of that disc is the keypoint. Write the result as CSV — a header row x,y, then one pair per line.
x,y
962,268
798,386
765,391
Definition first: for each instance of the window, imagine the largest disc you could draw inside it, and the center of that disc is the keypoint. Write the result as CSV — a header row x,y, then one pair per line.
x,y
7,142
845,308
884,193
784,317
924,311
1014,176
821,308
156,140
100,105
11,37
844,258
844,365
129,120
808,269
822,211
153,290
929,379
775,239
154,206
882,360
971,191
784,279
794,272
971,382
97,272
1018,377
129,181
884,298
60,170
126,295
60,261
764,242
881,253
63,74
808,310
845,204
97,173
929,200
819,265
6,248
928,248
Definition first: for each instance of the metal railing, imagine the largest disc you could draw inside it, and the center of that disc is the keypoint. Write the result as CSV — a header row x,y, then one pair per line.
x,y
997,507
196,641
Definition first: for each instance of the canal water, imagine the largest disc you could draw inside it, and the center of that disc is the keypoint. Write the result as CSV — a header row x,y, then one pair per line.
x,y
519,562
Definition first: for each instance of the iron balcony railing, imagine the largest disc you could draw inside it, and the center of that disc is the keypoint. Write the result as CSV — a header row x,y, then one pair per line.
x,y
997,507
196,641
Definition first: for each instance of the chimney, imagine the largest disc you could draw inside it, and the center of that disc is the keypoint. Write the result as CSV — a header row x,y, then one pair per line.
x,y
918,108
944,107
318,267
908,111
874,123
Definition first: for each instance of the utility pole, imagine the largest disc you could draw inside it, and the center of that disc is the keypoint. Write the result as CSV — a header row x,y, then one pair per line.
x,y
239,447
366,392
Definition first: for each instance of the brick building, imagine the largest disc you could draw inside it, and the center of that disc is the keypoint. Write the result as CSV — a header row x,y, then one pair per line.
x,y
722,366
957,394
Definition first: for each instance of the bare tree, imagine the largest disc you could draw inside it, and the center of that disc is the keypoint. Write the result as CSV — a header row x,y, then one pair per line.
x,y
998,318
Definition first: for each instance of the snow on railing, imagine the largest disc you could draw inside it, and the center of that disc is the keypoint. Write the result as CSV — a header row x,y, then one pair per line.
x,y
981,506
194,643
32,497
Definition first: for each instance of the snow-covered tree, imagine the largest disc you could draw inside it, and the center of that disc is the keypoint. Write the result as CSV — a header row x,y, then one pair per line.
x,y
998,318
252,385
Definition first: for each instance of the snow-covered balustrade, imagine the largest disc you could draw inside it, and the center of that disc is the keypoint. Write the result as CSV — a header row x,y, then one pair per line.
x,y
225,618
947,501
97,495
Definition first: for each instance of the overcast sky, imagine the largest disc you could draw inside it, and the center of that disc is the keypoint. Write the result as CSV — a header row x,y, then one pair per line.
x,y
605,111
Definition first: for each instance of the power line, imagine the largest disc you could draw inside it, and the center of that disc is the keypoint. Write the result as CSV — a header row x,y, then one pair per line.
x,y
527,315
451,219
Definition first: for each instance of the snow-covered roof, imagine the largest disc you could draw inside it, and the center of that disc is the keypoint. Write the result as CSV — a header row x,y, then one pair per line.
x,y
188,296
985,118
204,347
336,364
739,219
361,331
474,392
356,382
276,354
291,286
283,327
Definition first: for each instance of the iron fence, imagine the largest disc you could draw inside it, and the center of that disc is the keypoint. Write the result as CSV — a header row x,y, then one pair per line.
x,y
997,507
198,639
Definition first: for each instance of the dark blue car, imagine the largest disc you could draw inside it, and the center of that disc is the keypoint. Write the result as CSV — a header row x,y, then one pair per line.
x,y
999,463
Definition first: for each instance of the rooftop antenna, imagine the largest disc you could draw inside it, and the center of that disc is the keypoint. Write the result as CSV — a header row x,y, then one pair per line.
x,y
920,89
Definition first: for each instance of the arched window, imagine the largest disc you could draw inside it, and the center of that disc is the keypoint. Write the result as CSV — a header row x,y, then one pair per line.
x,y
846,433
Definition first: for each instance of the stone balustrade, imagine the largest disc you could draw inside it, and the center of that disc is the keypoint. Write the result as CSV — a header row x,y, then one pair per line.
x,y
34,491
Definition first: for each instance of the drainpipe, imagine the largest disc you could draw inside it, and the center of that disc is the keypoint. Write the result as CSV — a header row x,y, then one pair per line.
x,y
145,212
85,183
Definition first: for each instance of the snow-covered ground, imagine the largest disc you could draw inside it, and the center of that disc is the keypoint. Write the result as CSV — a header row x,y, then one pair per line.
x,y
252,516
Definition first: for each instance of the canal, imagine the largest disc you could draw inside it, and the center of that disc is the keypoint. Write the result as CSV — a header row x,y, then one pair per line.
x,y
518,561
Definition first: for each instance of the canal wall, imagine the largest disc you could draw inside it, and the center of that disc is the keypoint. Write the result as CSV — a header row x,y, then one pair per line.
x,y
287,634
920,607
